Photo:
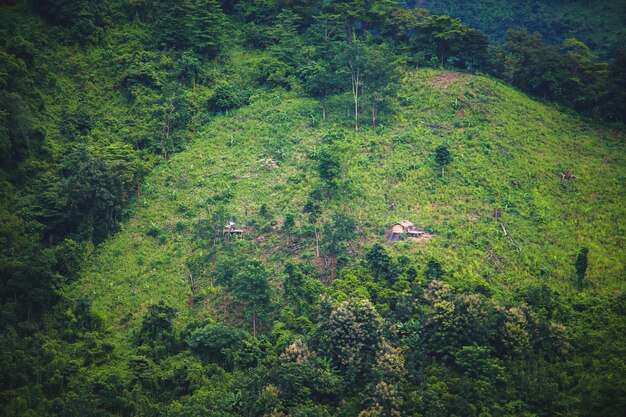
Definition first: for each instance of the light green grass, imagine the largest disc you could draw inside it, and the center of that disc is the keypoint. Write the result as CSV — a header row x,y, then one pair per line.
x,y
508,152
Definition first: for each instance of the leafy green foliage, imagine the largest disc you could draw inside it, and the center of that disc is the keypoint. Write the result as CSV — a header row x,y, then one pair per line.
x,y
157,330
555,20
442,157
328,167
581,264
131,133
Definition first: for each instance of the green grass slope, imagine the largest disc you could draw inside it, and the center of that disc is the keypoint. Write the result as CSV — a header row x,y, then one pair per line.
x,y
509,152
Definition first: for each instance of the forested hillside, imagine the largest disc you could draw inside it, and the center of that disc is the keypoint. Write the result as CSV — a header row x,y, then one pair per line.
x,y
197,201
600,23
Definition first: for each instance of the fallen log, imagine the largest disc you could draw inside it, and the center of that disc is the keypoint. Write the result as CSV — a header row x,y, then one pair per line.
x,y
509,237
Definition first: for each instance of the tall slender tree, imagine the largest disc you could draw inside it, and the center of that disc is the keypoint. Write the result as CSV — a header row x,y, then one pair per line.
x,y
207,26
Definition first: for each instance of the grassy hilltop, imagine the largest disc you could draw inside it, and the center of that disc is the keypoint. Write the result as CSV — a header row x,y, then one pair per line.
x,y
509,152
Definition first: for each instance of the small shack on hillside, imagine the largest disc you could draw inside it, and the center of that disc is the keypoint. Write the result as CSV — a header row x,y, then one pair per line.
x,y
402,229
232,230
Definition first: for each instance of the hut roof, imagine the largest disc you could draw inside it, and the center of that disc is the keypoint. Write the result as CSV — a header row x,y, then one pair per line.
x,y
230,228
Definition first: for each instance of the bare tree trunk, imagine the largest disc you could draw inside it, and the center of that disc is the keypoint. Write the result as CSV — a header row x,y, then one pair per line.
x,y
166,131
325,268
254,324
355,74
163,140
374,111
138,192
167,134
317,243
509,237
362,100
324,108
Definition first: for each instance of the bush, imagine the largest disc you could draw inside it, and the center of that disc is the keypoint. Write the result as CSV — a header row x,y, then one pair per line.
x,y
227,96
153,231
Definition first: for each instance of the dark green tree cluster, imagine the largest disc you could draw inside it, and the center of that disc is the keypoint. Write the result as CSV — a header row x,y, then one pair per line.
x,y
556,20
384,340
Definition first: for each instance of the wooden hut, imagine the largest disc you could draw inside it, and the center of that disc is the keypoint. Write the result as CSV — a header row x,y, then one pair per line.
x,y
404,228
231,229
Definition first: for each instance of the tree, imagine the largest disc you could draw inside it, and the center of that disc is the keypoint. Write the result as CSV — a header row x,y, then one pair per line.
x,y
27,282
378,260
401,23
299,291
85,19
329,168
16,131
359,11
378,74
91,193
520,47
208,24
581,265
286,41
370,68
335,236
447,33
289,223
456,321
352,336
442,157
218,343
172,24
584,81
227,96
157,329
568,74
320,80
434,271
188,68
252,289
354,58
473,54
615,106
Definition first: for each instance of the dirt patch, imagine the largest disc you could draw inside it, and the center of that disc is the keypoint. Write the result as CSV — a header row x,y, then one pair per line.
x,y
421,241
262,238
424,237
277,226
442,81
